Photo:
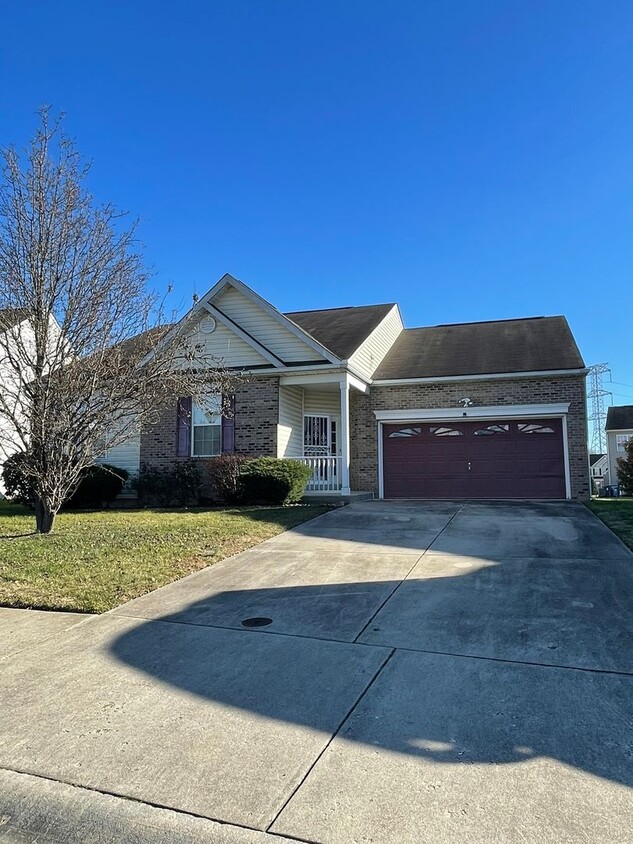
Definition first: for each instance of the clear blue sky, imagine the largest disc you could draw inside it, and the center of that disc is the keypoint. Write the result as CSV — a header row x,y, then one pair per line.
x,y
471,160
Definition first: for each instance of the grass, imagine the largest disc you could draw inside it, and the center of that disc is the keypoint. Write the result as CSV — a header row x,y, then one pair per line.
x,y
617,513
95,561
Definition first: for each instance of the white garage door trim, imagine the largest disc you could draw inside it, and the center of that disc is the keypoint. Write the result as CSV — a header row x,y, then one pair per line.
x,y
474,414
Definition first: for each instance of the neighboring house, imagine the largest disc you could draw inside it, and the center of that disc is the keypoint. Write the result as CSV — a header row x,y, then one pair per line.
x,y
16,344
476,410
599,469
619,430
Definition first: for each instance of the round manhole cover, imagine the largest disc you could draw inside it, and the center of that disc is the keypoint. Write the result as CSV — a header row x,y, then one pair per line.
x,y
257,622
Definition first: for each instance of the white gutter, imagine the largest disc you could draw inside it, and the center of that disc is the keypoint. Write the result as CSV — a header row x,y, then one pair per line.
x,y
497,376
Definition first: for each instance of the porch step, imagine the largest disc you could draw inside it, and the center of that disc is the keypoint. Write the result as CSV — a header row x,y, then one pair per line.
x,y
336,497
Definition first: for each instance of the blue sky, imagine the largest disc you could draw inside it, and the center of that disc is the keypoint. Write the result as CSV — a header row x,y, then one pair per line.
x,y
470,160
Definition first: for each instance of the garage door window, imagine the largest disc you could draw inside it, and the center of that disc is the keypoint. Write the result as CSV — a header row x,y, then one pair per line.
x,y
445,432
533,428
406,432
491,430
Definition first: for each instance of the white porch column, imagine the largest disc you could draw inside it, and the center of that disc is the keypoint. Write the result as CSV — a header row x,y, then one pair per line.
x,y
344,384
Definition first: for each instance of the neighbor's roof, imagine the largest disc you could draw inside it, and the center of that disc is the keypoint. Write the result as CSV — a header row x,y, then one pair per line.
x,y
11,316
341,330
594,458
479,348
620,418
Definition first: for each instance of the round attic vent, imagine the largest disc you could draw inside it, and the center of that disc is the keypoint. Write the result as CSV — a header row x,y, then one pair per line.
x,y
207,325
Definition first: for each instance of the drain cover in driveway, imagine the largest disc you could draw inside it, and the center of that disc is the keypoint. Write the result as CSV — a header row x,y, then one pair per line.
x,y
257,622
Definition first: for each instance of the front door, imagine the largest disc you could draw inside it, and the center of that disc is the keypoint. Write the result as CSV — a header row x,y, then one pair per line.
x,y
316,436
319,443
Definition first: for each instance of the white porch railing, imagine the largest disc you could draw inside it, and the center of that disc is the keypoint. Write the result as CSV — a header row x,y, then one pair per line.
x,y
326,473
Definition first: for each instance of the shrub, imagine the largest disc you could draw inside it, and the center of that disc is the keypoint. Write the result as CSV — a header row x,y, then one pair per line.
x,y
176,485
100,484
268,480
18,487
186,483
225,475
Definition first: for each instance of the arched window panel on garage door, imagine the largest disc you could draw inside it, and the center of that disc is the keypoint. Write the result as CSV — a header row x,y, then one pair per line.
x,y
444,431
534,428
491,430
406,432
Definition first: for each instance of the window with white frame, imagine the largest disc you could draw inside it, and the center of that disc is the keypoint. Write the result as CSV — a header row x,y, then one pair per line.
x,y
206,427
621,440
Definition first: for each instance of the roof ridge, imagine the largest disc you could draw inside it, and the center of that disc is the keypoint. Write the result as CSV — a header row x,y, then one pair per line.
x,y
488,321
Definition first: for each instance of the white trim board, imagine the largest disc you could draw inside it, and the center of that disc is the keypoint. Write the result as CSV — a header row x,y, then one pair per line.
x,y
498,411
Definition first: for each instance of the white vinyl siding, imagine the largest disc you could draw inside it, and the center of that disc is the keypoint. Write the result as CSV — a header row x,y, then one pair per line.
x,y
264,328
372,350
227,347
318,402
614,453
125,455
290,428
295,403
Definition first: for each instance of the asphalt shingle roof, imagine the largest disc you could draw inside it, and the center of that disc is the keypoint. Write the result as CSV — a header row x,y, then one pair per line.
x,y
341,330
620,418
478,348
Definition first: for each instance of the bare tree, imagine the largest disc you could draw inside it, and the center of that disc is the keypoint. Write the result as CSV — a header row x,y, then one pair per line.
x,y
83,360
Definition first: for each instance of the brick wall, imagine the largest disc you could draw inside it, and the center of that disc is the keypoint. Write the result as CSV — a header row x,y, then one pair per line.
x,y
256,417
364,430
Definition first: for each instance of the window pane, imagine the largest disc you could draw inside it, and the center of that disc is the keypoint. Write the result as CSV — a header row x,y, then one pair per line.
x,y
405,432
532,428
445,432
492,429
209,412
206,440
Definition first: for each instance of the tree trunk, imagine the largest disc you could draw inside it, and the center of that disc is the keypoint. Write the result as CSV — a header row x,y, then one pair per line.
x,y
44,517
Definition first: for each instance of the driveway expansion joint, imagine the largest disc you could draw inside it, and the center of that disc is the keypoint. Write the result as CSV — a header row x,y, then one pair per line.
x,y
345,718
140,802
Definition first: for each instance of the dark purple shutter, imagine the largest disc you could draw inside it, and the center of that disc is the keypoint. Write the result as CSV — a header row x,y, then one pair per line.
x,y
228,423
183,428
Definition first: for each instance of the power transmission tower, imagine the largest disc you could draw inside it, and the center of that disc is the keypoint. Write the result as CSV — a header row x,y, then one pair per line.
x,y
597,409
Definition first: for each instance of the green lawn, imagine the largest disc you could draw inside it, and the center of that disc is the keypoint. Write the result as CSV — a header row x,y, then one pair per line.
x,y
617,513
97,560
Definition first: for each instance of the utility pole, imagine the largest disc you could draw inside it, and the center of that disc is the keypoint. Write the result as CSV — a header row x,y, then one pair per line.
x,y
597,408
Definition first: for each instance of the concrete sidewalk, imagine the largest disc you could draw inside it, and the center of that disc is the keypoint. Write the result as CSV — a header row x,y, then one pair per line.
x,y
428,672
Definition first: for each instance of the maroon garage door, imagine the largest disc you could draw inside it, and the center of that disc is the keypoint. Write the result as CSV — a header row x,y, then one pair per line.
x,y
504,459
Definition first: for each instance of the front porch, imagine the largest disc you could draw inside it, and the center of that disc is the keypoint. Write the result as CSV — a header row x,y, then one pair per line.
x,y
314,429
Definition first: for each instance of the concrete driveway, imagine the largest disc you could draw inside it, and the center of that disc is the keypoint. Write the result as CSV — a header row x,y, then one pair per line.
x,y
427,672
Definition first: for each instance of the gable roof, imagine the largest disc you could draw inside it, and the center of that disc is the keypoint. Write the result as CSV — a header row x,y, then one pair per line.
x,y
594,458
341,330
535,344
620,418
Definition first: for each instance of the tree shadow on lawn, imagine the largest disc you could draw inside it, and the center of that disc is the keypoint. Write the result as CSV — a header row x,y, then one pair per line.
x,y
428,701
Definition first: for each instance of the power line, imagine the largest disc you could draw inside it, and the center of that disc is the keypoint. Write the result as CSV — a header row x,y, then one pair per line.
x,y
596,397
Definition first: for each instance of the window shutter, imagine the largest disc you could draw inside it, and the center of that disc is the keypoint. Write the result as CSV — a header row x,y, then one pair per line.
x,y
183,428
228,423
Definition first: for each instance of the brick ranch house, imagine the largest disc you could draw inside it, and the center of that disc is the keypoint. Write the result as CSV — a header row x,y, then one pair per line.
x,y
476,410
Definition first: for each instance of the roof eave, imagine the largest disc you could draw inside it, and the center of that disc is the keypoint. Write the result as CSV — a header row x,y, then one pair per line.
x,y
483,376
